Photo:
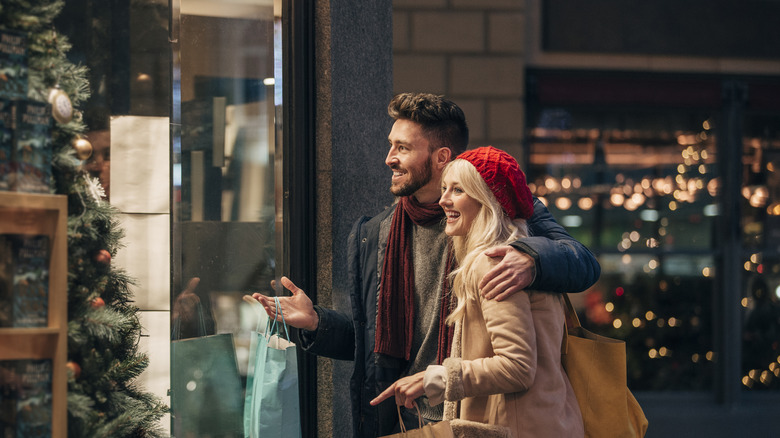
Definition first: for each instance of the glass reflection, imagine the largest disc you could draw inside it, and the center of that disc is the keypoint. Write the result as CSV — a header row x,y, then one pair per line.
x,y
99,163
226,154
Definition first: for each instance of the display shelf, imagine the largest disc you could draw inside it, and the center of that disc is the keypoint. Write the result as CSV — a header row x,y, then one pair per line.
x,y
39,214
29,344
25,331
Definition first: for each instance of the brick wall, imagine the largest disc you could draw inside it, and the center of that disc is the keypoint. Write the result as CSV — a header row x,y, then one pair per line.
x,y
473,53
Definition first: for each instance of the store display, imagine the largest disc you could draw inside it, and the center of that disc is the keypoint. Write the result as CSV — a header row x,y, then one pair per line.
x,y
6,284
25,126
33,315
51,94
32,150
26,398
6,142
13,65
24,294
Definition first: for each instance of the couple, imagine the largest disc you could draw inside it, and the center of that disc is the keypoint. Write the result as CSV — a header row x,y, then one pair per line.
x,y
503,365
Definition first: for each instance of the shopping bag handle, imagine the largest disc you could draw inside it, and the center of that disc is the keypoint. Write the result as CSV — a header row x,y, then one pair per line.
x,y
401,420
273,326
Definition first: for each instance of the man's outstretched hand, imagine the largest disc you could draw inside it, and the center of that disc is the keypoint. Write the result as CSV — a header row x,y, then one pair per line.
x,y
298,309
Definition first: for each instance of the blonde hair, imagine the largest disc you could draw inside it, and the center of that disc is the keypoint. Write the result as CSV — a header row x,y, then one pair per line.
x,y
491,227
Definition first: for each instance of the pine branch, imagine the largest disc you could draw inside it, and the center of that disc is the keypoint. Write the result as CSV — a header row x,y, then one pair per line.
x,y
80,407
129,369
108,325
137,419
29,15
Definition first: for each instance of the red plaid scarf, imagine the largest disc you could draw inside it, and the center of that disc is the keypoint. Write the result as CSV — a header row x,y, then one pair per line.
x,y
395,318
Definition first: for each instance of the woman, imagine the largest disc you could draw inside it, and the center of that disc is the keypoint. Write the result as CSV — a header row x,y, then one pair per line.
x,y
504,376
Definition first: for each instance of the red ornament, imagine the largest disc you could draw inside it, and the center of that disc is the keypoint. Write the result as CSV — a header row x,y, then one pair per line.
x,y
74,370
97,303
103,257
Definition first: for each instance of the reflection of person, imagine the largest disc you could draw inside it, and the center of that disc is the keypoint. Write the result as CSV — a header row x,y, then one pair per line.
x,y
398,266
505,369
99,163
190,320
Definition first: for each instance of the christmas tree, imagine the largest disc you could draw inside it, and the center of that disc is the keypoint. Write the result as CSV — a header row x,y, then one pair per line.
x,y
103,323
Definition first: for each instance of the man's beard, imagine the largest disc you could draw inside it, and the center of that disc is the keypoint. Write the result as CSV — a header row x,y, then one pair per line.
x,y
417,180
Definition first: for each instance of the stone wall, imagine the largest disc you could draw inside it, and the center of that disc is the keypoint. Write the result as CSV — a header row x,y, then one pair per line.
x,y
473,53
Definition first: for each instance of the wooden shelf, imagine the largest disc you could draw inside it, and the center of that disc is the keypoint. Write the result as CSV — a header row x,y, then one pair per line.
x,y
26,331
37,214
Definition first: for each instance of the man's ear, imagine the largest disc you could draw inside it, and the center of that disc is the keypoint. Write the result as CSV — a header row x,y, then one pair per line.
x,y
442,157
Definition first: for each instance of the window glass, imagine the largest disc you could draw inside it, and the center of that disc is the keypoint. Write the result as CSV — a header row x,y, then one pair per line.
x,y
640,189
760,232
226,158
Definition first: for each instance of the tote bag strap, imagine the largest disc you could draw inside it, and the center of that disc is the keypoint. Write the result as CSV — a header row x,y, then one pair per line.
x,y
273,326
572,321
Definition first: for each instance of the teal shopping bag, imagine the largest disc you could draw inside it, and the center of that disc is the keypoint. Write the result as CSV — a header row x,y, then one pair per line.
x,y
206,392
271,406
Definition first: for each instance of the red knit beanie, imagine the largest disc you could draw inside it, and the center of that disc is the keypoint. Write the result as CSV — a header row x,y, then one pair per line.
x,y
504,178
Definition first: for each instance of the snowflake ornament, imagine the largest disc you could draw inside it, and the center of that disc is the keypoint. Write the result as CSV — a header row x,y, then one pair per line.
x,y
94,188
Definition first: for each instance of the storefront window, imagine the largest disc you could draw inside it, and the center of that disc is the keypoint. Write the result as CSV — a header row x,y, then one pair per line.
x,y
186,123
640,189
227,222
635,169
760,236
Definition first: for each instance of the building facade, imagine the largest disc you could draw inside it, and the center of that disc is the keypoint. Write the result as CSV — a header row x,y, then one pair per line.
x,y
247,137
651,132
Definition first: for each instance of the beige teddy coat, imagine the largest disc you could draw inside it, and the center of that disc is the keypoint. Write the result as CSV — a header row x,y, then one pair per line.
x,y
506,369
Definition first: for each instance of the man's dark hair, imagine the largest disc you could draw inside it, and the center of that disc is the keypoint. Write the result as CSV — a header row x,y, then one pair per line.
x,y
443,122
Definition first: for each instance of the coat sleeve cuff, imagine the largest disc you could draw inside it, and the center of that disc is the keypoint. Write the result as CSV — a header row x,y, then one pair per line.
x,y
454,390
434,383
309,337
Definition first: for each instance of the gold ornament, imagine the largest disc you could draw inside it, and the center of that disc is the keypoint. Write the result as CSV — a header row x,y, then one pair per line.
x,y
83,148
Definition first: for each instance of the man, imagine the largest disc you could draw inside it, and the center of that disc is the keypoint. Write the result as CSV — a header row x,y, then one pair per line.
x,y
398,264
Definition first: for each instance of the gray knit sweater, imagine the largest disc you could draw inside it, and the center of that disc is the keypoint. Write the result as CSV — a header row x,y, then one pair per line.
x,y
428,251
